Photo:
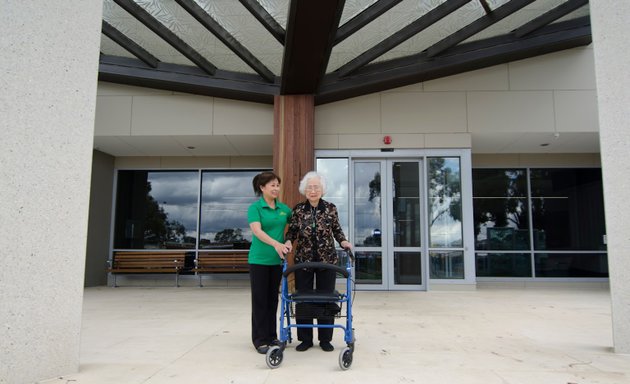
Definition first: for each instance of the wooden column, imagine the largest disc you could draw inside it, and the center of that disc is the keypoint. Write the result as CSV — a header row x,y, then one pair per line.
x,y
293,147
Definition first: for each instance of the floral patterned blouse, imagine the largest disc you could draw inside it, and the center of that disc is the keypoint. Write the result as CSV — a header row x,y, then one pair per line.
x,y
315,229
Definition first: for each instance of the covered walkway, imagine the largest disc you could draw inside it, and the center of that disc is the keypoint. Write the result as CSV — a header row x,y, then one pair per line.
x,y
201,335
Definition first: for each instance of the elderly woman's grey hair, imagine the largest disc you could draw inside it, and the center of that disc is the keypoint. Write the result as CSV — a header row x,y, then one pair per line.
x,y
308,177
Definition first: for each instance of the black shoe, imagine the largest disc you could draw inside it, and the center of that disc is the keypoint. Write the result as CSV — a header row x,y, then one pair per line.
x,y
303,346
262,349
326,346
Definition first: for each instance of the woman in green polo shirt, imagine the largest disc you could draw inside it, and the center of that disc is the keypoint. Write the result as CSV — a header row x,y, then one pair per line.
x,y
268,219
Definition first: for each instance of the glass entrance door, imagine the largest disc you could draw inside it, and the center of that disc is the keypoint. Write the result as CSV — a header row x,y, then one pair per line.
x,y
387,224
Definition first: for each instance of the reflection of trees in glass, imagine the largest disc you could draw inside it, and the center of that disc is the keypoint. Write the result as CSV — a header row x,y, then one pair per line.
x,y
229,235
157,228
445,190
502,204
512,209
375,186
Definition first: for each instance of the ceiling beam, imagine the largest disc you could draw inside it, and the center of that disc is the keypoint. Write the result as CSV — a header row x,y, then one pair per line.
x,y
129,45
402,35
364,18
226,38
486,6
466,57
549,17
311,28
263,17
166,34
186,79
477,26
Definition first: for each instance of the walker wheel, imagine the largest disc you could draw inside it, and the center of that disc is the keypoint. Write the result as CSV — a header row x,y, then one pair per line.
x,y
274,357
345,358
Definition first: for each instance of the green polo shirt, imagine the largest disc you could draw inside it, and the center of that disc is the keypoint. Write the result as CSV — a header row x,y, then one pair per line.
x,y
273,222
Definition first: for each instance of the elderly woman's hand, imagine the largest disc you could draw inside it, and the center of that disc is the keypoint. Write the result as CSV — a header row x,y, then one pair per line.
x,y
346,245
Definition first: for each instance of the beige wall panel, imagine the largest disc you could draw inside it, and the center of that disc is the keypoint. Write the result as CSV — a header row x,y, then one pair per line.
x,y
111,89
357,115
457,140
239,117
536,160
402,140
510,111
137,162
492,160
560,160
179,162
576,111
432,112
570,69
257,162
251,145
418,87
114,146
486,79
326,141
370,141
166,115
113,116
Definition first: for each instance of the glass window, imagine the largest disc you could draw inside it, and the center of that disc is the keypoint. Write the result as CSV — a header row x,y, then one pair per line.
x,y
336,173
156,210
571,265
500,209
225,197
367,204
406,203
447,264
497,264
407,268
368,267
445,202
568,209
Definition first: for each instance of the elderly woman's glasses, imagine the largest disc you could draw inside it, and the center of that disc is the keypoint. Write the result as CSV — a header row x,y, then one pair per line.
x,y
314,188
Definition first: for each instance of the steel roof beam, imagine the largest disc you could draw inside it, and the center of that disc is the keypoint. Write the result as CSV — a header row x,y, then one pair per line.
x,y
401,36
166,34
129,45
226,38
264,18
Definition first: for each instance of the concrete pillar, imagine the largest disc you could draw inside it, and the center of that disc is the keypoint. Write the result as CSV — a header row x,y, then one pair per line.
x,y
48,75
611,27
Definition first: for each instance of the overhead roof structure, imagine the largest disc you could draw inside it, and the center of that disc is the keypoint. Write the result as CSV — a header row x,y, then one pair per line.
x,y
252,50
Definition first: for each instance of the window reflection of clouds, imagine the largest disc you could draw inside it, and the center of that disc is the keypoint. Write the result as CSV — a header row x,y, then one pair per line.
x,y
224,202
445,202
176,194
336,173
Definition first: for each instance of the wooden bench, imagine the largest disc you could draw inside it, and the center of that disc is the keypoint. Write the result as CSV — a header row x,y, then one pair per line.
x,y
140,262
221,262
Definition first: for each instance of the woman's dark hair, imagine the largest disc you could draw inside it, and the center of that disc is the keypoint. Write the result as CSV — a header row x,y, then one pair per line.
x,y
262,179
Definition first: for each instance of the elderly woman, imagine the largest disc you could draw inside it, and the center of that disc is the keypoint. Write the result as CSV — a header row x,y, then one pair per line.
x,y
314,226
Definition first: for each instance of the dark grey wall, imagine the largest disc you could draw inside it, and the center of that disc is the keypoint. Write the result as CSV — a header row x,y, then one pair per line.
x,y
101,197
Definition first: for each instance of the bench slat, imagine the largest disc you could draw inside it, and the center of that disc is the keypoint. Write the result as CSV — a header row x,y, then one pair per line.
x,y
140,262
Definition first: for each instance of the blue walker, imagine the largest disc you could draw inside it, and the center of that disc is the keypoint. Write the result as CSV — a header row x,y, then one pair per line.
x,y
331,303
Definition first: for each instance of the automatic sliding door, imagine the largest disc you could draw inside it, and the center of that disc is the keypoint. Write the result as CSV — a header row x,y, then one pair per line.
x,y
387,224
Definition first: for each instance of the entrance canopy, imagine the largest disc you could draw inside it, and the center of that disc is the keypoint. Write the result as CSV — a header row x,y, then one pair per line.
x,y
252,50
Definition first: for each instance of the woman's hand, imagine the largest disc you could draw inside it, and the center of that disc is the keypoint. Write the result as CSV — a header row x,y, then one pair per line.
x,y
346,245
281,249
289,245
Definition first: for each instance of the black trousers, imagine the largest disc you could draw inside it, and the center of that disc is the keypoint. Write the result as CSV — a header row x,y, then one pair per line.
x,y
265,284
321,280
